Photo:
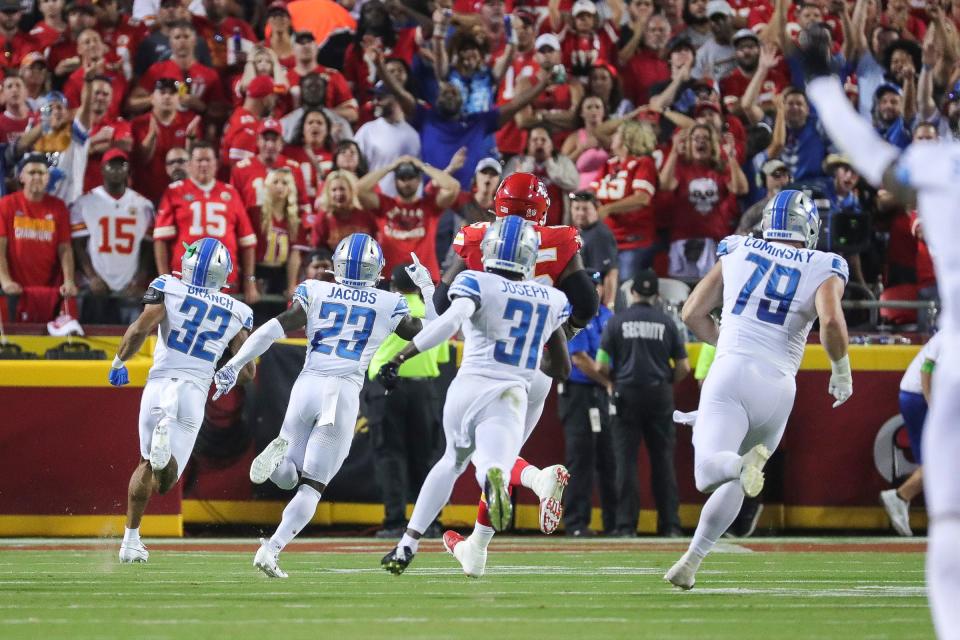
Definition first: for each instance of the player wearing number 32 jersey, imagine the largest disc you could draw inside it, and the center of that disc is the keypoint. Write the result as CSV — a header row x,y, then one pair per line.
x,y
346,321
771,290
196,324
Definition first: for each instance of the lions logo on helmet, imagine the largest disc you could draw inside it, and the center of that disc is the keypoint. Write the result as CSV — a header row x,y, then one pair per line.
x,y
792,216
358,261
206,263
510,244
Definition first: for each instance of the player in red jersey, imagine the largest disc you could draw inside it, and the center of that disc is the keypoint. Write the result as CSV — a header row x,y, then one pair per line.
x,y
559,264
199,207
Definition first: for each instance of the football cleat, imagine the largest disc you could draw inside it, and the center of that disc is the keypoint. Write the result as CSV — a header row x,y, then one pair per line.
x,y
683,574
899,511
133,552
160,447
397,561
266,560
498,499
268,460
549,484
751,470
472,559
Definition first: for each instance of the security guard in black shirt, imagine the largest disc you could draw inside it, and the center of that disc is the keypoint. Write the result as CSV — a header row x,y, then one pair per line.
x,y
643,354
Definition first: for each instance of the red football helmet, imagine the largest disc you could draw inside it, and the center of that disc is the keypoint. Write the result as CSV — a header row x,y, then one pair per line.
x,y
522,194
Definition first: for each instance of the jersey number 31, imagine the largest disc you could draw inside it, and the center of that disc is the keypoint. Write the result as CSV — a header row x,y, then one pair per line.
x,y
520,331
781,288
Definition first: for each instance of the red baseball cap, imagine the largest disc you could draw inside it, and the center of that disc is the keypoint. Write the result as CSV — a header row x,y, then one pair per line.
x,y
260,87
270,125
113,154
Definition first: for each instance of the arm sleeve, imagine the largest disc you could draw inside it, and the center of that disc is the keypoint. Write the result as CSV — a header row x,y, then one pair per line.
x,y
258,342
446,325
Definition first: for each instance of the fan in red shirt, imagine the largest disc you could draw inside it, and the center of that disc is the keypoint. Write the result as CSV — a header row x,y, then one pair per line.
x,y
408,223
103,132
750,63
643,57
36,259
312,147
239,139
120,32
248,175
338,95
589,39
705,179
14,44
281,232
16,117
523,65
202,206
155,133
375,31
201,89
62,56
51,26
95,58
625,192
338,212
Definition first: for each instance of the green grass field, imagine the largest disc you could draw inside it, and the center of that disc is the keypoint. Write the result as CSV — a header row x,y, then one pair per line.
x,y
535,587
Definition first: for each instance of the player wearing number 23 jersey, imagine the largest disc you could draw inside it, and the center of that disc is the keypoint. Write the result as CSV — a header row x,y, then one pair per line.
x,y
196,325
771,290
188,212
346,321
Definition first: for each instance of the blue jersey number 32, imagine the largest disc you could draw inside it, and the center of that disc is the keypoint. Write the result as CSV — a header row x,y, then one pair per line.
x,y
186,340
781,288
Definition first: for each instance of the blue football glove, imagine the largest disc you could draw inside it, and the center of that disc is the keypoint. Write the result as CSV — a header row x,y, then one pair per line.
x,y
224,380
119,377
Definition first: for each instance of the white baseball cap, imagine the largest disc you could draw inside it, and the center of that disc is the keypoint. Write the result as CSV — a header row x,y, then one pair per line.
x,y
489,163
547,40
583,6
719,6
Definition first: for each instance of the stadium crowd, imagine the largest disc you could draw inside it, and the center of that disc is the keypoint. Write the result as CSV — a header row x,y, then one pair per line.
x,y
131,127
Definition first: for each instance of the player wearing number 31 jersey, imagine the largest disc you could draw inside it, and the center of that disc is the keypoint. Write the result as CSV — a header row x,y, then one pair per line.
x,y
346,321
196,324
771,291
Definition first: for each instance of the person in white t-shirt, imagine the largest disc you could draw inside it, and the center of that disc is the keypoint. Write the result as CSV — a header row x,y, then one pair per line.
x,y
109,225
915,388
387,138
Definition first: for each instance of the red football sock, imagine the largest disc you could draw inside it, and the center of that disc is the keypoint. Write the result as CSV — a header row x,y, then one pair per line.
x,y
518,468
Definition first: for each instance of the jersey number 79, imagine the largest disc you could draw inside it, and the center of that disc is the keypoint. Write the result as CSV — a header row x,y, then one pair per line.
x,y
781,288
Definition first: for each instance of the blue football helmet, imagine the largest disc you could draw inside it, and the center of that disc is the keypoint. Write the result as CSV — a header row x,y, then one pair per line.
x,y
206,263
511,244
792,216
358,261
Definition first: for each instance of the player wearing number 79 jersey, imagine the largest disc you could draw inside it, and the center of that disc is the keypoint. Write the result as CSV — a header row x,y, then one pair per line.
x,y
196,324
346,321
771,291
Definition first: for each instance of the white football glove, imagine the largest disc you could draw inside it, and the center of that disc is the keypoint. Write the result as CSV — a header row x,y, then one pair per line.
x,y
841,381
419,274
224,380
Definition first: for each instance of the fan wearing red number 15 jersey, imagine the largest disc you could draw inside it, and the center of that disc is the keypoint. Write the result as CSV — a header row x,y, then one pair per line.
x,y
624,178
115,229
188,213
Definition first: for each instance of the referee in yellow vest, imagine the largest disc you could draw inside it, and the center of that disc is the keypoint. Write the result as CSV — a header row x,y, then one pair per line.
x,y
405,425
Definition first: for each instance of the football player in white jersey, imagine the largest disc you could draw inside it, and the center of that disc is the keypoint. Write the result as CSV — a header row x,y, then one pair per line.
x,y
771,290
927,173
346,321
506,319
196,324
113,221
